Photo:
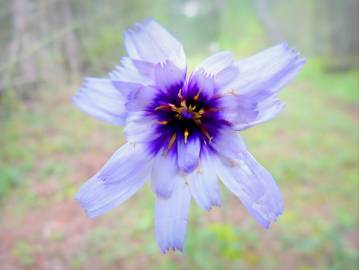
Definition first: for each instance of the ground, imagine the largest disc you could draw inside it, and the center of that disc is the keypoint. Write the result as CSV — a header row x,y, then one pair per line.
x,y
49,148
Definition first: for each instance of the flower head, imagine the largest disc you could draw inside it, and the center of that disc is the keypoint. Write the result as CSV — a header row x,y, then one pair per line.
x,y
182,131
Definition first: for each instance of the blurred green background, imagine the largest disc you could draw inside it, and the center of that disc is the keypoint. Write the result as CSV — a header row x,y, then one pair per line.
x,y
48,147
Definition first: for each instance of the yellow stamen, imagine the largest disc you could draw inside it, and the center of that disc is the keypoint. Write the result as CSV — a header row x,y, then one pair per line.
x,y
163,122
196,115
163,107
212,109
205,132
186,134
180,95
196,97
172,141
191,108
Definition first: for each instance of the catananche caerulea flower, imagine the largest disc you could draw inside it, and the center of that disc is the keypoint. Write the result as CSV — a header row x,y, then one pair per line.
x,y
181,130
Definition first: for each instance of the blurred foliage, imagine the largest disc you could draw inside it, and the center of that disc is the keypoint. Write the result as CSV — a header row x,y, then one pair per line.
x,y
84,37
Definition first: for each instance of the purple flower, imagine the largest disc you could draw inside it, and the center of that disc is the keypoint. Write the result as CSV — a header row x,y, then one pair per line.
x,y
181,131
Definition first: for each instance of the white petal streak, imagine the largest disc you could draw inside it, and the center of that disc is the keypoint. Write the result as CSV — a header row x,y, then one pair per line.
x,y
188,154
140,128
264,66
99,98
171,218
254,186
151,42
163,177
203,184
252,98
216,63
133,71
97,196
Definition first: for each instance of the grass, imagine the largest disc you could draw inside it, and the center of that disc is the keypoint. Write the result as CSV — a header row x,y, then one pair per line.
x,y
48,149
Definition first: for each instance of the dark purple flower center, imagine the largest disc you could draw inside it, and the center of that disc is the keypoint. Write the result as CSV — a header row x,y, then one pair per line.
x,y
185,115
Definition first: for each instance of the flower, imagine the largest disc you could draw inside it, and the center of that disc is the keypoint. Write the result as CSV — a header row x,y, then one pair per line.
x,y
181,131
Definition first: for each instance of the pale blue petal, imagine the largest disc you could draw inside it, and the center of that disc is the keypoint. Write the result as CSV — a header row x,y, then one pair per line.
x,y
226,76
97,197
99,98
214,73
188,154
152,43
171,218
203,184
164,171
216,63
126,88
140,98
228,143
201,81
253,185
140,128
133,71
168,76
133,159
252,97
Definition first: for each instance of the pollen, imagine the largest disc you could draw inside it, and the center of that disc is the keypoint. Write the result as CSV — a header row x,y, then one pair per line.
x,y
180,96
172,141
196,97
186,134
163,122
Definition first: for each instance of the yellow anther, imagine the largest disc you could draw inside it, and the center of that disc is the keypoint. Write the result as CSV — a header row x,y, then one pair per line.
x,y
191,108
212,109
196,97
232,92
183,104
171,142
163,122
205,132
186,134
180,94
162,107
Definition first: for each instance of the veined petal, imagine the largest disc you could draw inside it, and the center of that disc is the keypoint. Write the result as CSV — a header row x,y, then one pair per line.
x,y
140,98
213,73
163,177
133,159
151,42
168,76
262,66
97,196
200,82
140,128
229,143
133,71
188,153
126,88
99,98
216,63
226,76
171,217
203,184
254,186
253,95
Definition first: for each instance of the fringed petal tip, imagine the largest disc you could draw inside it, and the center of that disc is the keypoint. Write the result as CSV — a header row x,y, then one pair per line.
x,y
172,249
126,172
267,223
83,199
149,41
295,54
82,204
99,98
171,218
